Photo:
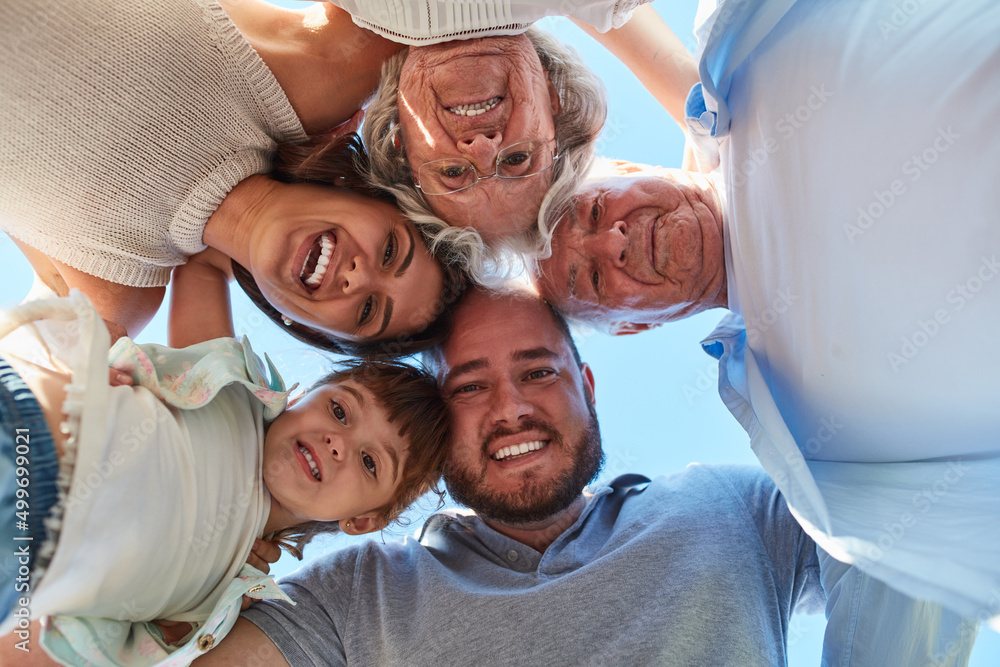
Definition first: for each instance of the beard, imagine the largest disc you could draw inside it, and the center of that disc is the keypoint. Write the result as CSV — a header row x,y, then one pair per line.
x,y
539,496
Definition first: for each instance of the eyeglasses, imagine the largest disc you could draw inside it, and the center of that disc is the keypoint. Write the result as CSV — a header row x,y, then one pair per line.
x,y
450,175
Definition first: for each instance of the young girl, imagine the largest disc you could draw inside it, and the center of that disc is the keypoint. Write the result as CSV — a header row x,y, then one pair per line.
x,y
163,486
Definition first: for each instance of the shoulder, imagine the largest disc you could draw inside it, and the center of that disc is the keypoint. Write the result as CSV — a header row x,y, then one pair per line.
x,y
700,482
729,497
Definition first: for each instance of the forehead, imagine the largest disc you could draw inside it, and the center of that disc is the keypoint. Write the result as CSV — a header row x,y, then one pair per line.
x,y
422,60
498,328
496,208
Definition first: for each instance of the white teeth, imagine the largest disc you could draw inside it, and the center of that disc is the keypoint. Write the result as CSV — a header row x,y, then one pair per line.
x,y
326,252
518,450
309,459
475,109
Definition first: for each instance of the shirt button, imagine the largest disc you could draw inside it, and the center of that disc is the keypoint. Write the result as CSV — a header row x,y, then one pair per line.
x,y
512,556
206,642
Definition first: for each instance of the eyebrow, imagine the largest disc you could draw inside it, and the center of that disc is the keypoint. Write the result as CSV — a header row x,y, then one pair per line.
x,y
534,354
571,283
358,396
531,354
394,458
467,367
389,303
386,315
574,268
405,264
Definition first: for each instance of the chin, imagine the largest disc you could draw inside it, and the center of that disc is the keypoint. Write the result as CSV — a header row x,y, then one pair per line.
x,y
537,497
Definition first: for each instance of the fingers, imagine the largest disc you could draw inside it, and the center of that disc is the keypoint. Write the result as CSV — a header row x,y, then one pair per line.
x,y
116,378
263,554
350,125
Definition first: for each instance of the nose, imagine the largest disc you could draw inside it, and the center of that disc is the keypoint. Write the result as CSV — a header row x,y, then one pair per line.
x,y
355,275
610,244
510,405
482,148
336,446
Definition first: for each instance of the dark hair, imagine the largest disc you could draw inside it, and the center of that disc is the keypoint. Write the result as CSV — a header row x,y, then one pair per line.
x,y
341,163
563,327
412,400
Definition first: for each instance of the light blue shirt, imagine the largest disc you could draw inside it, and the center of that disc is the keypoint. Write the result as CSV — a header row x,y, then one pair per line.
x,y
857,173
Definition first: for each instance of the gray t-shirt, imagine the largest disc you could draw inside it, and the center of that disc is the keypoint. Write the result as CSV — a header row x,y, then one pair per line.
x,y
704,567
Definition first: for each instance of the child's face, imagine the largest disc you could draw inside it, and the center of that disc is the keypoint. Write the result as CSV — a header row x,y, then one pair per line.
x,y
333,454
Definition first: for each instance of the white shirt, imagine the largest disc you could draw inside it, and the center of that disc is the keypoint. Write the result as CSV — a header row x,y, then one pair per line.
x,y
863,253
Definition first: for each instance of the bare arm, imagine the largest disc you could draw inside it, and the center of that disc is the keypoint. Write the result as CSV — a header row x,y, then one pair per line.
x,y
245,645
648,47
124,309
199,300
29,654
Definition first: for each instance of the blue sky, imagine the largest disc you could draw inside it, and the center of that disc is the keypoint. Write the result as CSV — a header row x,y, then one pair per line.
x,y
656,396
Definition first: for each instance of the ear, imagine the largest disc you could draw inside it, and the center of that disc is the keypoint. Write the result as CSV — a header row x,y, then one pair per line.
x,y
359,525
588,382
626,328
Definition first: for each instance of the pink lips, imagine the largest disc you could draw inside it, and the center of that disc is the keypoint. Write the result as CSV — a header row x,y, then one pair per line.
x,y
304,463
307,258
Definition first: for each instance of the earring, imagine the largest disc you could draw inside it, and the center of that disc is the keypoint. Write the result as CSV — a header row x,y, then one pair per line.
x,y
348,524
286,320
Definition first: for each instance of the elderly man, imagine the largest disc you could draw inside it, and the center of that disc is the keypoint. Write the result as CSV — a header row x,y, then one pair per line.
x,y
852,223
700,568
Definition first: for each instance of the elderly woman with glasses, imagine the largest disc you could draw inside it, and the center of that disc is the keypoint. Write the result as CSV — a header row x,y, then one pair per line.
x,y
483,128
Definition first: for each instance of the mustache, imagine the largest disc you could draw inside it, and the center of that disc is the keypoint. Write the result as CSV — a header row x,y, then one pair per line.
x,y
529,424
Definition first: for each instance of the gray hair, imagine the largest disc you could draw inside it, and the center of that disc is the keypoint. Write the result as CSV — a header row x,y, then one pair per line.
x,y
583,111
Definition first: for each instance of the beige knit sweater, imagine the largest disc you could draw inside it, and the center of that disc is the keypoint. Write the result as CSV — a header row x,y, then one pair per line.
x,y
123,125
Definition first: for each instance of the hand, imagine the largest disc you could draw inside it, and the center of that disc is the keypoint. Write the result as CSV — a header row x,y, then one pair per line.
x,y
350,125
173,631
262,555
117,379
624,167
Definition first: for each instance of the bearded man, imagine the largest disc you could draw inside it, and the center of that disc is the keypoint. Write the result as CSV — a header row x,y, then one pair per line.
x,y
704,567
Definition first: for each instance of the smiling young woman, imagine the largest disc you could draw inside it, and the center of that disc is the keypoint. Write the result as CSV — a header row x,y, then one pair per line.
x,y
167,117
339,259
